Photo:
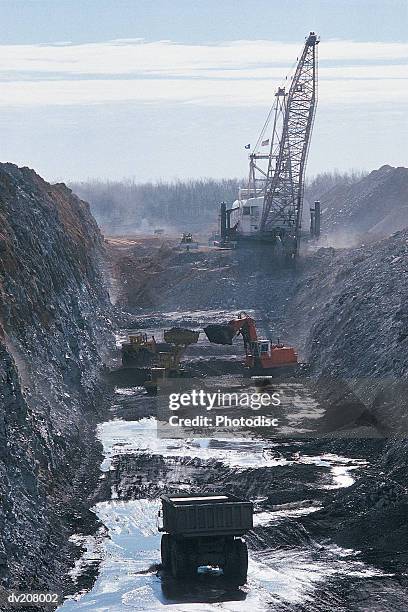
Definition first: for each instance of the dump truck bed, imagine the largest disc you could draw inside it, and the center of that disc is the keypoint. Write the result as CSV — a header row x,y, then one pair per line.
x,y
180,335
206,515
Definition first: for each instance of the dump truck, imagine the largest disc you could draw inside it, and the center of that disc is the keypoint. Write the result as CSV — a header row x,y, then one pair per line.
x,y
158,359
205,530
142,351
181,336
261,355
187,242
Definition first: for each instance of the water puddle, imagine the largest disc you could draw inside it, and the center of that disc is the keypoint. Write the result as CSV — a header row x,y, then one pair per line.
x,y
129,576
137,437
127,437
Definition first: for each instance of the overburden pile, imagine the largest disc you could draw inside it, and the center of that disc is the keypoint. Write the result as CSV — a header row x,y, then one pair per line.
x,y
375,206
53,325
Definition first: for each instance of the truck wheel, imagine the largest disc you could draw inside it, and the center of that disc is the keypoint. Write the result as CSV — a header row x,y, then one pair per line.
x,y
177,559
236,566
165,551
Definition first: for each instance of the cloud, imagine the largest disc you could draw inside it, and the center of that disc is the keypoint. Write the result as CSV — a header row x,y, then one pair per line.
x,y
202,92
169,58
232,73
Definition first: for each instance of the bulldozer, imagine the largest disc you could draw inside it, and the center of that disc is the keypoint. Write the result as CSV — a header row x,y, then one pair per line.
x,y
187,242
160,360
261,355
142,351
168,366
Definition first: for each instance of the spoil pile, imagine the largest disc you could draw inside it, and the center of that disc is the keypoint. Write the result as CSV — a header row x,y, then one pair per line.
x,y
376,206
53,330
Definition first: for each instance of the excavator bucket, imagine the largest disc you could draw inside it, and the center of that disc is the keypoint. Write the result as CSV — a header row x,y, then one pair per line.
x,y
220,334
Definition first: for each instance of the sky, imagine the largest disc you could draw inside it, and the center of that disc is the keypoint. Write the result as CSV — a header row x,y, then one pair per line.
x,y
174,89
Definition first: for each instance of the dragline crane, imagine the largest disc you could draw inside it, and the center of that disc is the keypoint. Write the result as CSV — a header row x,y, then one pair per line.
x,y
270,206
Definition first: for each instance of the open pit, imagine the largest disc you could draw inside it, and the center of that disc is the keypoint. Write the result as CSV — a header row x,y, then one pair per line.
x,y
299,558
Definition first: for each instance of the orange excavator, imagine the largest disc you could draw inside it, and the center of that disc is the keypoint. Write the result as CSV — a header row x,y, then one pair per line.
x,y
259,354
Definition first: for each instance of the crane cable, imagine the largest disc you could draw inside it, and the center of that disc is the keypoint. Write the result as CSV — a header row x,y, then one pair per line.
x,y
272,108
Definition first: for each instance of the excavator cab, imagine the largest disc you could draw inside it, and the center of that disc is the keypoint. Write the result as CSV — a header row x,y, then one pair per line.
x,y
264,354
257,351
264,347
258,348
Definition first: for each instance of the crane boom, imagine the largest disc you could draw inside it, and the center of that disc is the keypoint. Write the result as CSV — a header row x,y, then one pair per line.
x,y
284,186
269,207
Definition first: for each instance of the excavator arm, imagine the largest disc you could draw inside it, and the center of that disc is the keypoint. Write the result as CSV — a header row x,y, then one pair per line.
x,y
225,333
260,353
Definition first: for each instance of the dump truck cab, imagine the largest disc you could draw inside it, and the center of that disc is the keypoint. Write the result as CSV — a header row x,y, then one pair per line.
x,y
205,530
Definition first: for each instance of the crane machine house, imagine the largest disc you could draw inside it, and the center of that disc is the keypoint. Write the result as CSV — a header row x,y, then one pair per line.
x,y
270,206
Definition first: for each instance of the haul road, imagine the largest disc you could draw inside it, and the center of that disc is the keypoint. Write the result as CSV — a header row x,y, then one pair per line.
x,y
286,478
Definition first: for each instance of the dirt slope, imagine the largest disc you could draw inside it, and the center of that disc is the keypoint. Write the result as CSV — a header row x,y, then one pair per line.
x,y
361,331
376,205
53,306
357,346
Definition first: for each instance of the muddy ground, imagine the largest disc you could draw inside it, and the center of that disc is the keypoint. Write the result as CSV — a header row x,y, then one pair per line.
x,y
295,475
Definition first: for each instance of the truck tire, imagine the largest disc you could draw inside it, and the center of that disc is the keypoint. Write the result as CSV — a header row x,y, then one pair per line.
x,y
236,566
165,551
178,561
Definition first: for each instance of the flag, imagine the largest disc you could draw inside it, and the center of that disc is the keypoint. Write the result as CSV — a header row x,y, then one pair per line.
x,y
265,143
248,146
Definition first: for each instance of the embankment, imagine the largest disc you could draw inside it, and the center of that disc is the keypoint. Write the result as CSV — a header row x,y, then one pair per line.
x,y
357,347
53,306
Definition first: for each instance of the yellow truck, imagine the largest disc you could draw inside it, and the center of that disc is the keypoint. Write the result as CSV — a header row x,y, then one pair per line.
x,y
161,359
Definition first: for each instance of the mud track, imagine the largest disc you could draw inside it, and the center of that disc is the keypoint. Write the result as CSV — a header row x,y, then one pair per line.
x,y
290,478
294,476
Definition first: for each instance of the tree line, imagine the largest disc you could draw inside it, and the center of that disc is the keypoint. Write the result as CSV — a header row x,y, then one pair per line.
x,y
127,206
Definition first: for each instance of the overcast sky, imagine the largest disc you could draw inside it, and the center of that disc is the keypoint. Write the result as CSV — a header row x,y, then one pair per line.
x,y
169,89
